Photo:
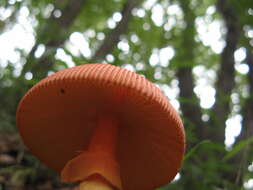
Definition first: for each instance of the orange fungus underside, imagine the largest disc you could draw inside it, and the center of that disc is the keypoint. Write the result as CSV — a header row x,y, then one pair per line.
x,y
102,120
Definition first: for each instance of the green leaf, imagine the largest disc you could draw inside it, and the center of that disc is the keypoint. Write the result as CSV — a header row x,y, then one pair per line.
x,y
195,148
236,149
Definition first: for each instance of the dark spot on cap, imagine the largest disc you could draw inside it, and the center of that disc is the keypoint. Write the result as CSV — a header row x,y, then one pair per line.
x,y
62,91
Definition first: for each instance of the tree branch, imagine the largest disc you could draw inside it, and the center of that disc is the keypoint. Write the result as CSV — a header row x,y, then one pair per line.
x,y
114,36
57,27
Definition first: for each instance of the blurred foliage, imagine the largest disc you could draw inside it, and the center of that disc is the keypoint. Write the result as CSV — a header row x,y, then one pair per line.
x,y
208,164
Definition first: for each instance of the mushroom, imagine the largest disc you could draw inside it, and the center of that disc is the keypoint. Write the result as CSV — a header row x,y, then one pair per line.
x,y
103,126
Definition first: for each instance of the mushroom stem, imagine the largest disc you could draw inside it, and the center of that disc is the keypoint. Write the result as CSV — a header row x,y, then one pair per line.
x,y
105,135
99,160
95,183
104,139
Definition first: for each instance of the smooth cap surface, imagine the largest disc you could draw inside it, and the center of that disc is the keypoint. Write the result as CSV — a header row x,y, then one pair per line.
x,y
57,116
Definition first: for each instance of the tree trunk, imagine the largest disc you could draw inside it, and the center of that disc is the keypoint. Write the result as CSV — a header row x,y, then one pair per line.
x,y
226,74
188,100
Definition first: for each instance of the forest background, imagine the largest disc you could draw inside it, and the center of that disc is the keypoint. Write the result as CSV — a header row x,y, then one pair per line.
x,y
200,53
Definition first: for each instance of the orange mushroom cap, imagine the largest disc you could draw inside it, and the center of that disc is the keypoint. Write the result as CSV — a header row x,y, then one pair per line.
x,y
57,117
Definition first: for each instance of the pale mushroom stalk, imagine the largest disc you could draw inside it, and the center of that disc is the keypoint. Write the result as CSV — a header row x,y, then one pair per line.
x,y
95,184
